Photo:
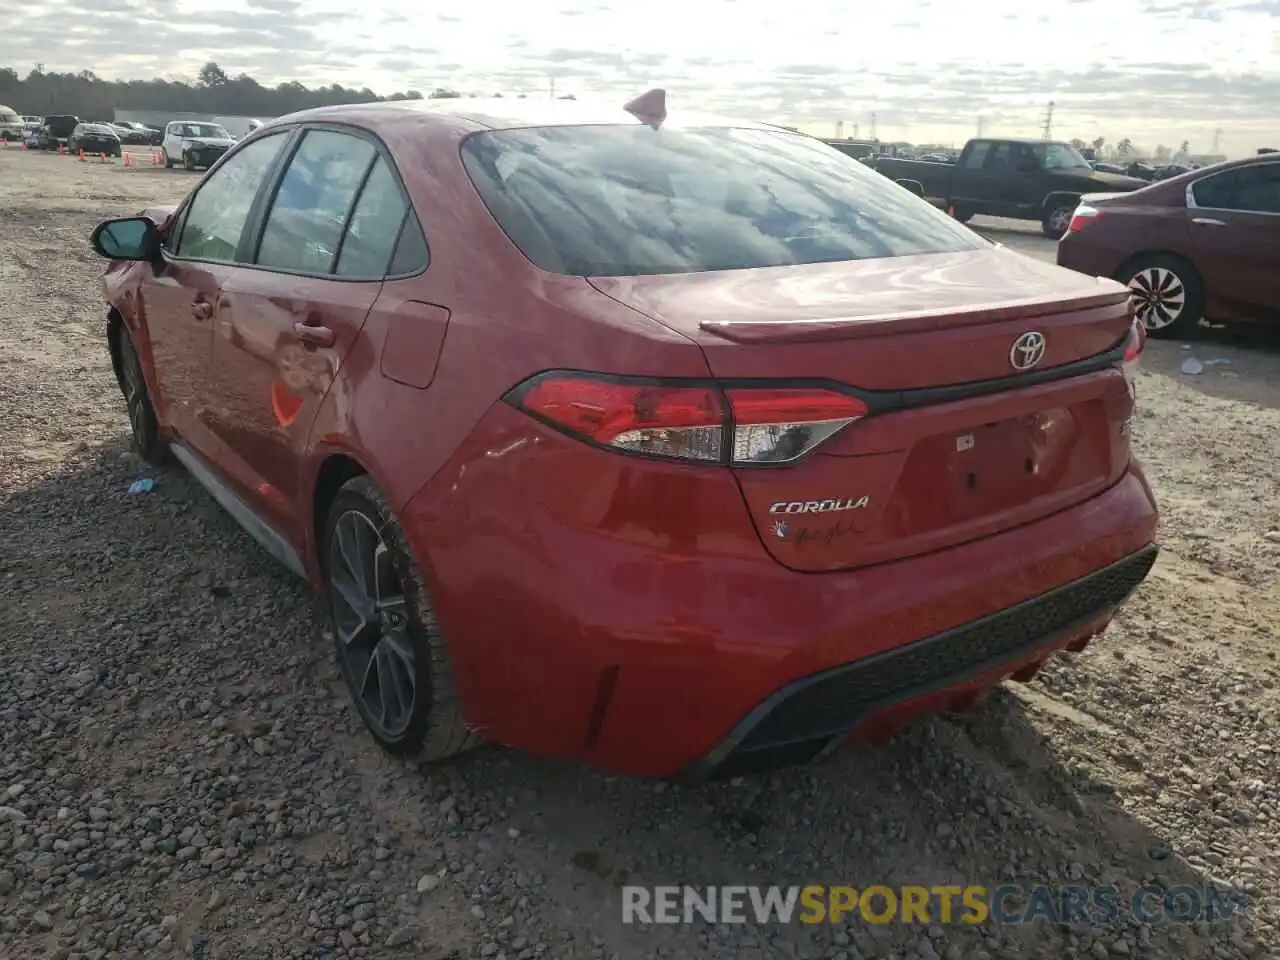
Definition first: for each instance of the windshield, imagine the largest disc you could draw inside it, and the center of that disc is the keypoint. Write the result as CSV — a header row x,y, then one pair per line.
x,y
631,200
210,131
1059,156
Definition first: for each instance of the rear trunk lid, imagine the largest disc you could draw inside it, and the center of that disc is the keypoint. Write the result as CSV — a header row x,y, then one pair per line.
x,y
960,443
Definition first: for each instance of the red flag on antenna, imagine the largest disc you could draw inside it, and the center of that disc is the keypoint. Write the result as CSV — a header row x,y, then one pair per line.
x,y
650,107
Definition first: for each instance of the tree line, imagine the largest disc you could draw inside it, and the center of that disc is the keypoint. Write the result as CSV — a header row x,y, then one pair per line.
x,y
88,96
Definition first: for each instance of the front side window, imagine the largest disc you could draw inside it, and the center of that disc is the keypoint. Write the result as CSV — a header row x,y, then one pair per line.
x,y
620,200
316,194
216,216
1060,156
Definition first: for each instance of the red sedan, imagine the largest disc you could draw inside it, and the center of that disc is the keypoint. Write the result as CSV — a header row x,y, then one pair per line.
x,y
675,444
1203,244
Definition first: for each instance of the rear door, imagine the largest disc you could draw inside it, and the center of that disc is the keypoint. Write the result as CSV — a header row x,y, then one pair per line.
x,y
1234,219
1008,188
180,302
326,242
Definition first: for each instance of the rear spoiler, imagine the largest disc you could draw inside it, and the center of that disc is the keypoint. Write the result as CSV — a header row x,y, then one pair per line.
x,y
1111,294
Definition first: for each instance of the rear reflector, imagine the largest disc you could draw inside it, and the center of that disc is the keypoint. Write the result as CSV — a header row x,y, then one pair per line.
x,y
1083,216
706,423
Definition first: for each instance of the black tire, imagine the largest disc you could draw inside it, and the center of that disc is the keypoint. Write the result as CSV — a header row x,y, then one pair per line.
x,y
360,519
168,164
143,422
187,162
961,214
1169,294
1057,217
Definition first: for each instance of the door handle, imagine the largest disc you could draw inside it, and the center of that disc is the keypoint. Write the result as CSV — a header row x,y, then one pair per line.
x,y
314,334
202,309
1208,222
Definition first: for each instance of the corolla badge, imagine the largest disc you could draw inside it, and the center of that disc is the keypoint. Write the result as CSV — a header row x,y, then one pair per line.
x,y
819,506
1027,350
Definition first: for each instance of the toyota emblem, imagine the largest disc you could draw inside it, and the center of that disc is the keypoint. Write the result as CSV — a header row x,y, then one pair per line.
x,y
1027,350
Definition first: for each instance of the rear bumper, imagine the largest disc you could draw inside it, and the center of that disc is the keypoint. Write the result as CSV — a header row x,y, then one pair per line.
x,y
204,156
1088,255
808,717
625,612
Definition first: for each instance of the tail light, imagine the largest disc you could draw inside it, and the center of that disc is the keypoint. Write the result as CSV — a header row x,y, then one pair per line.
x,y
1083,216
1133,348
702,423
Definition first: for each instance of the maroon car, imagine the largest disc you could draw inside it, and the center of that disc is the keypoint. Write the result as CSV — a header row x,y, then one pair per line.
x,y
1203,244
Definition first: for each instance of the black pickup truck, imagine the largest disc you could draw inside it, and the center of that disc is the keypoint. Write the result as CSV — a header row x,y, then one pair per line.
x,y
1020,179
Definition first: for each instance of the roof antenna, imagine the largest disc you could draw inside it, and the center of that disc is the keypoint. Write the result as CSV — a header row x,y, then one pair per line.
x,y
650,107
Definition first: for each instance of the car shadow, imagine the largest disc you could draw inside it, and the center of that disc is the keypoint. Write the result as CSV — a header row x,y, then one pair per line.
x,y
1238,362
139,586
982,800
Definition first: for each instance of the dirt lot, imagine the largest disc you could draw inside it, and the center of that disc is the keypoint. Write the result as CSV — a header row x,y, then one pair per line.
x,y
181,775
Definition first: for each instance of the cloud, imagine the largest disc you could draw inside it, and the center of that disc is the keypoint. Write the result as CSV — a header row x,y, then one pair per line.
x,y
926,70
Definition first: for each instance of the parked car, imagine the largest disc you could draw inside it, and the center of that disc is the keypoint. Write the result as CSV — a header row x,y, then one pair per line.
x,y
10,124
94,138
679,450
1206,243
131,132
58,130
194,144
1020,179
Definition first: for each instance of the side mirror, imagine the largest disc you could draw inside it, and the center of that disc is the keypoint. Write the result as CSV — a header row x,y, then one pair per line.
x,y
129,238
915,186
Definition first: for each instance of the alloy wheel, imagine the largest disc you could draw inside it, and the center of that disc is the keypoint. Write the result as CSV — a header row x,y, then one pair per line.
x,y
1159,296
1059,219
370,618
135,391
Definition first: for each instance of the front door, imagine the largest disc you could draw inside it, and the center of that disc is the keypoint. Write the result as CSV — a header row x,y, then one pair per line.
x,y
180,300
293,315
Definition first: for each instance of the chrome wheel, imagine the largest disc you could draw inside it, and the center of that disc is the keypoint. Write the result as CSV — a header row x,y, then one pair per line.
x,y
1159,297
371,620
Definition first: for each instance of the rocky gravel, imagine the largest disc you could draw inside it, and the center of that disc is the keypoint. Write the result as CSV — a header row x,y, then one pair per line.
x,y
181,773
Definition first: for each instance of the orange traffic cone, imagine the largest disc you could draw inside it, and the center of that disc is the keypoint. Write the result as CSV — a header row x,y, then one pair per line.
x,y
951,211
128,159
82,155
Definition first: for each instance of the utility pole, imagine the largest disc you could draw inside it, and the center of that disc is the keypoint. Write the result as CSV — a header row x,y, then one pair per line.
x,y
1047,132
873,125
856,128
839,129
981,122
553,88
1217,136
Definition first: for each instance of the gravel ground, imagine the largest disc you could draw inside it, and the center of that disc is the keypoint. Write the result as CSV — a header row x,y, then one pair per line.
x,y
181,774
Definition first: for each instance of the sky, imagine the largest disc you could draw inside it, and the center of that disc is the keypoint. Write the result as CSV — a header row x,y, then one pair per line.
x,y
1155,71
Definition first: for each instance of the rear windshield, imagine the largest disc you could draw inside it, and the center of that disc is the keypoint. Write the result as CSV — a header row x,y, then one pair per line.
x,y
631,200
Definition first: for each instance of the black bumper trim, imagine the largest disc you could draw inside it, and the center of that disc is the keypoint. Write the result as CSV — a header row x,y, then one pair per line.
x,y
798,721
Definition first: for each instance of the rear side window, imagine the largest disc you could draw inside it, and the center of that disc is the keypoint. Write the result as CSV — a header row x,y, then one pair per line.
x,y
309,212
374,227
1215,191
1257,189
630,200
976,155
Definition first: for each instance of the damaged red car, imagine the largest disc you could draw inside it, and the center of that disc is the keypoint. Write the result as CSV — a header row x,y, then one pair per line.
x,y
680,445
